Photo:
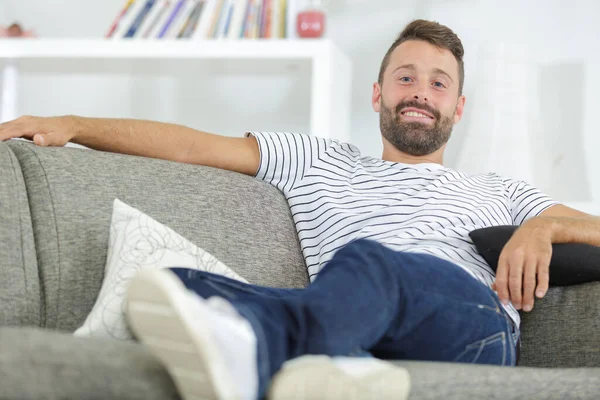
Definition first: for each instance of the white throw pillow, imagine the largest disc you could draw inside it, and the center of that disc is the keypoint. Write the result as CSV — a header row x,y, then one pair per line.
x,y
138,242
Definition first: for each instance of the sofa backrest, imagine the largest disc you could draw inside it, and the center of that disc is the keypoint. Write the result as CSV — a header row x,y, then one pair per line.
x,y
243,222
19,283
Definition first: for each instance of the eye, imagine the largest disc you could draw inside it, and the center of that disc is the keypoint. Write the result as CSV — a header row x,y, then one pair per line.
x,y
405,79
438,84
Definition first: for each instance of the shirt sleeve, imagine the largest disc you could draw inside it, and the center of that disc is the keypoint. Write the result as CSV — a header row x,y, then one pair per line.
x,y
526,201
286,157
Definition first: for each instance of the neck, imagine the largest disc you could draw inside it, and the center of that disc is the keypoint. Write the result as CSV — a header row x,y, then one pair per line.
x,y
391,153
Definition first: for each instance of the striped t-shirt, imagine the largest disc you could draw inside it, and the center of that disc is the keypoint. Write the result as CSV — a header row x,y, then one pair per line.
x,y
336,196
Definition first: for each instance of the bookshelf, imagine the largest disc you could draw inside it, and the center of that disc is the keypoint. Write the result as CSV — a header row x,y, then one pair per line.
x,y
329,68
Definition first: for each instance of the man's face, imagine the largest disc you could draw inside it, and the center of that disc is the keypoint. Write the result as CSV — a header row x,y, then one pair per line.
x,y
418,103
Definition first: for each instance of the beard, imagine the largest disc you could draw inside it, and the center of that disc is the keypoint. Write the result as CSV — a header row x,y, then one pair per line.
x,y
414,138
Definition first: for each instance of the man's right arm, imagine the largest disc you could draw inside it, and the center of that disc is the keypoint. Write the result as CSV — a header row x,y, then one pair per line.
x,y
139,137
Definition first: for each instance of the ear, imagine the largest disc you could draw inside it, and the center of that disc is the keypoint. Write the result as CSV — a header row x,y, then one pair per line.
x,y
376,99
460,107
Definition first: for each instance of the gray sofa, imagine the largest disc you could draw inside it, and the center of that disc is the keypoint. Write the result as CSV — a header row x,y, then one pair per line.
x,y
55,209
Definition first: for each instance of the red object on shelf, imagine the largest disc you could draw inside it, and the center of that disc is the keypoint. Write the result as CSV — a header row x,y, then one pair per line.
x,y
15,30
310,23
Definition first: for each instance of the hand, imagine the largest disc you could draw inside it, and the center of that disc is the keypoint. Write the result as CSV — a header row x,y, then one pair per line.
x,y
523,266
44,131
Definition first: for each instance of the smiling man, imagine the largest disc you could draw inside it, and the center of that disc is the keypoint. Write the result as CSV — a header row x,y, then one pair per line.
x,y
394,274
420,105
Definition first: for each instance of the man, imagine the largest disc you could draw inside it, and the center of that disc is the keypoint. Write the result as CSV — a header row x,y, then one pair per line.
x,y
398,277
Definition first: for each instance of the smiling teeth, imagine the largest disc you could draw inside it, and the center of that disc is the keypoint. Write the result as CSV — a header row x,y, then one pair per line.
x,y
415,114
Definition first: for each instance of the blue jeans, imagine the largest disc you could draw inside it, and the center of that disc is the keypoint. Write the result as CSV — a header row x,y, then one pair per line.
x,y
370,300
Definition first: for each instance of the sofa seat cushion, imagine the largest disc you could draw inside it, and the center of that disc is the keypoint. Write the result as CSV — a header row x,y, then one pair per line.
x,y
42,364
467,381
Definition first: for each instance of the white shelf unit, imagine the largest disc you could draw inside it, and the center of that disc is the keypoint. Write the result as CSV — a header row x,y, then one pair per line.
x,y
329,67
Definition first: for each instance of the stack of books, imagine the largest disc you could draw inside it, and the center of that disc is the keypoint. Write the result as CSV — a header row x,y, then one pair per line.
x,y
205,19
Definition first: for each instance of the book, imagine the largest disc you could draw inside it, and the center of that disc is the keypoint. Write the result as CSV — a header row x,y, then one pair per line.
x,y
138,21
250,19
246,18
256,20
181,18
283,18
291,17
274,19
160,19
151,19
221,20
128,19
192,22
228,15
119,19
271,29
205,20
216,18
265,19
279,16
171,18
237,20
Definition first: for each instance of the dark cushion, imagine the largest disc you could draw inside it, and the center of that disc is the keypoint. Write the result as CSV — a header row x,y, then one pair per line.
x,y
571,263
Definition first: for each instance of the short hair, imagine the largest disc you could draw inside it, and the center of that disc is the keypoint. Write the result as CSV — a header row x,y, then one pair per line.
x,y
432,32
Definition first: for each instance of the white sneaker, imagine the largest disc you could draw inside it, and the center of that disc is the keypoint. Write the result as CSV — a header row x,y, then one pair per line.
x,y
207,347
339,378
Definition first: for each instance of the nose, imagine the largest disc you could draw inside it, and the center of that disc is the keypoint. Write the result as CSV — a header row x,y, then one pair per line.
x,y
421,93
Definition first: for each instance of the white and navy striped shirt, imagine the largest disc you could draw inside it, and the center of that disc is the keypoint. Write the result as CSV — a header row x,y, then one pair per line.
x,y
336,196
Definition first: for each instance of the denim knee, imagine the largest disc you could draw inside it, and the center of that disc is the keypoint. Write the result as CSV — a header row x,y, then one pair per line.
x,y
369,257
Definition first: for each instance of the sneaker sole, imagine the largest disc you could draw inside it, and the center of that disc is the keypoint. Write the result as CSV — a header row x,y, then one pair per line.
x,y
158,317
317,377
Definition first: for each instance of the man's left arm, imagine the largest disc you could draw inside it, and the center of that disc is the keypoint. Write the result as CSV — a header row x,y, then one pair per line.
x,y
523,266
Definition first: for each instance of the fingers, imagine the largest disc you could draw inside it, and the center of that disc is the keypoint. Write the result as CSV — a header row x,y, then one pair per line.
x,y
22,127
515,280
7,131
49,139
39,139
520,280
536,279
57,138
529,283
543,277
509,277
43,131
502,279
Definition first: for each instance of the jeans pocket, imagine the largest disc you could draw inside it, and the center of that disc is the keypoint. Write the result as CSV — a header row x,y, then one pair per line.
x,y
491,350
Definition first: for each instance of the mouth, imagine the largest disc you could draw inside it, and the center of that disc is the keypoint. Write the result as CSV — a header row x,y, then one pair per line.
x,y
412,112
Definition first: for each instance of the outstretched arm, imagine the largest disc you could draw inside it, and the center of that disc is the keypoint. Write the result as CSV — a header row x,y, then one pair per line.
x,y
139,137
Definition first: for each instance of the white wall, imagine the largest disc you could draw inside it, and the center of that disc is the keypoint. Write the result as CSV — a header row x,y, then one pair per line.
x,y
531,83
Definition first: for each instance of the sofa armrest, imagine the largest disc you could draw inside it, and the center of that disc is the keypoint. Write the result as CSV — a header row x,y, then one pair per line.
x,y
562,330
